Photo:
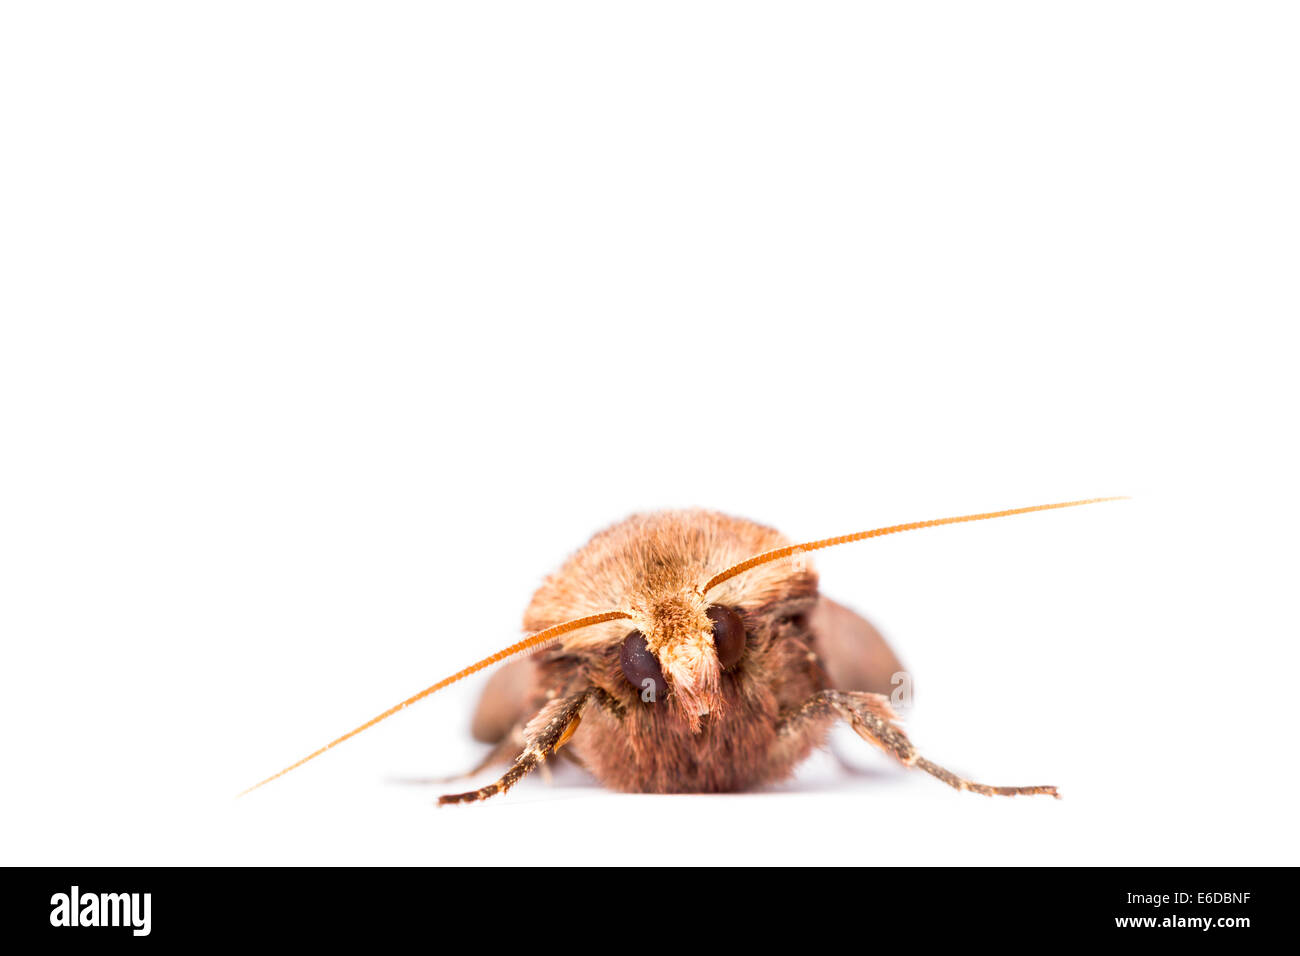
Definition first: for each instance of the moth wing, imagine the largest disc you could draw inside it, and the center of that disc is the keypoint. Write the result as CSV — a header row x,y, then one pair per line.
x,y
505,701
854,653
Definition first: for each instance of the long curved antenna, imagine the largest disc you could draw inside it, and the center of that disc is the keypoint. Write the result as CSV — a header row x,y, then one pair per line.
x,y
788,550
533,642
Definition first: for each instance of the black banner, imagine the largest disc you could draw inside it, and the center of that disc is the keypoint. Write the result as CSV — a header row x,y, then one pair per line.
x,y
238,906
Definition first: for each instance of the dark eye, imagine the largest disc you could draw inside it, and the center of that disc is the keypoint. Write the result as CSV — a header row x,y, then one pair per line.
x,y
639,665
728,634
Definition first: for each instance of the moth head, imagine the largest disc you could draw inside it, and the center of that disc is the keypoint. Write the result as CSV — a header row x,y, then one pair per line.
x,y
678,650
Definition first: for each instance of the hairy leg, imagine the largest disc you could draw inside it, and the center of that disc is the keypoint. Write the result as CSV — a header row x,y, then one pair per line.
x,y
503,751
873,720
553,725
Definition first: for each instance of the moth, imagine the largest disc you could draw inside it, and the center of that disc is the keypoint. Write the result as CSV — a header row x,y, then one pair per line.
x,y
689,652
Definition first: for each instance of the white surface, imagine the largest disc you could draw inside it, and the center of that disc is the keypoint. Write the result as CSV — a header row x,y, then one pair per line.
x,y
329,329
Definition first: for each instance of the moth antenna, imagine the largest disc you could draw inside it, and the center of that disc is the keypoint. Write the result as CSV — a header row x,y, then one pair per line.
x,y
788,550
530,643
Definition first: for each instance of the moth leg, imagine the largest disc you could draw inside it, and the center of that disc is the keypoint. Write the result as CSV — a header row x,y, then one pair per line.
x,y
503,751
573,758
553,725
874,720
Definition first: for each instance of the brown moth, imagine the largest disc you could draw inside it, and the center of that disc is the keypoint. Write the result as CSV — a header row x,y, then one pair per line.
x,y
689,652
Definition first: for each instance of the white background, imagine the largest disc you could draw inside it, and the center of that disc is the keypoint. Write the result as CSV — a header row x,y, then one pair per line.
x,y
329,329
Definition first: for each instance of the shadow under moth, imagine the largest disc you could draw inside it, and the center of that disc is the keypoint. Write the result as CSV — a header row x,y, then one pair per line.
x,y
689,652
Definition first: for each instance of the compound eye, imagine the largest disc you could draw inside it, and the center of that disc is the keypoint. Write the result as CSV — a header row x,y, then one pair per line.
x,y
640,665
728,635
